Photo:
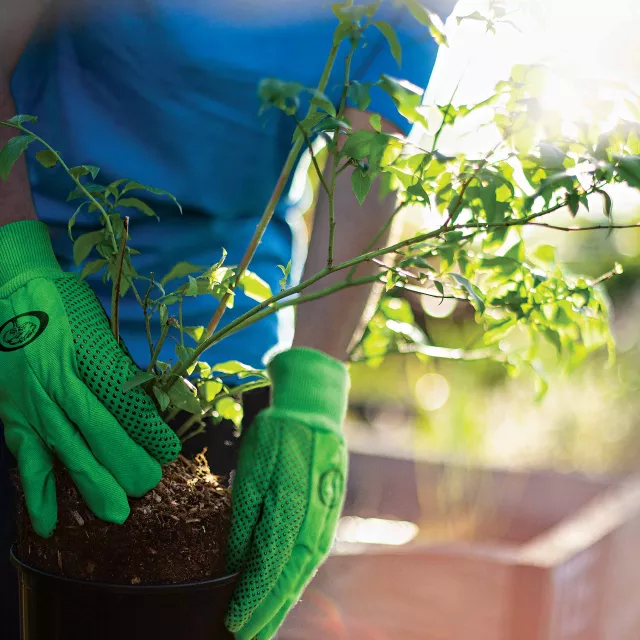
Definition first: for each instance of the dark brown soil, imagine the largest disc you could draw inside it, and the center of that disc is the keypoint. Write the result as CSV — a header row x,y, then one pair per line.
x,y
176,533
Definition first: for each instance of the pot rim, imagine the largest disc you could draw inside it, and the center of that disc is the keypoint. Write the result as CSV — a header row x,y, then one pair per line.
x,y
126,588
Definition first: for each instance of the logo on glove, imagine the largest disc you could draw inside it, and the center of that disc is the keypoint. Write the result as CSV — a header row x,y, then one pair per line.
x,y
22,330
331,488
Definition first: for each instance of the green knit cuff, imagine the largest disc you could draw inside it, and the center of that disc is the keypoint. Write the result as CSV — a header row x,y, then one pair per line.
x,y
311,385
25,246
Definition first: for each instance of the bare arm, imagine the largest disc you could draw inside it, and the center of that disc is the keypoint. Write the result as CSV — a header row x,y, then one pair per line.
x,y
19,19
329,324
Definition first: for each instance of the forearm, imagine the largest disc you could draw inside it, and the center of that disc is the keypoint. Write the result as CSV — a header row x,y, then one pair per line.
x,y
329,324
17,23
15,194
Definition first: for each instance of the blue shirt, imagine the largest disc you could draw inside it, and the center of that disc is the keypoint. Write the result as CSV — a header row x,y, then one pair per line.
x,y
165,93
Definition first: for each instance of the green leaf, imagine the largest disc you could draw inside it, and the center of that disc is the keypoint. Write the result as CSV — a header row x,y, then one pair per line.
x,y
394,44
308,124
322,102
20,119
358,93
162,397
137,186
406,96
192,287
428,19
254,286
164,314
92,267
279,94
376,122
348,12
343,30
48,159
137,380
135,203
204,369
361,183
209,389
72,220
10,153
96,190
184,353
183,396
471,290
573,202
113,187
232,367
607,204
85,243
194,332
285,274
229,409
180,270
552,156
84,170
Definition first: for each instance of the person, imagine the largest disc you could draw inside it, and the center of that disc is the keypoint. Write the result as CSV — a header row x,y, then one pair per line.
x,y
165,92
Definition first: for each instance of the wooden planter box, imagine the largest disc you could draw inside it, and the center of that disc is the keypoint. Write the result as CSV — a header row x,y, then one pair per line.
x,y
550,556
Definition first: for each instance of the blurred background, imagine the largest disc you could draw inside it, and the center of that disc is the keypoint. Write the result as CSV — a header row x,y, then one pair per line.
x,y
472,410
477,511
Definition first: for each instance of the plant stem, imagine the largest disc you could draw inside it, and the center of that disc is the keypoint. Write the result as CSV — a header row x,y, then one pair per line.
x,y
271,205
381,232
147,316
319,171
103,213
180,320
189,422
156,352
344,284
445,353
115,290
334,162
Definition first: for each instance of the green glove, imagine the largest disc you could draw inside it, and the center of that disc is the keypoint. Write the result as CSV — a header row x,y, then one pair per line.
x,y
61,377
288,491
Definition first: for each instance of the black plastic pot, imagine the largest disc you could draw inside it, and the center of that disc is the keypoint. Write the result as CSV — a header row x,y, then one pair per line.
x,y
57,608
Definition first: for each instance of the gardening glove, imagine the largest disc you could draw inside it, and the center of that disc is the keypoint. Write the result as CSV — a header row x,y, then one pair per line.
x,y
61,377
288,490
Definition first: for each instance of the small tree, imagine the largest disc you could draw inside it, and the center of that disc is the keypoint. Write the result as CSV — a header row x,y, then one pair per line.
x,y
478,251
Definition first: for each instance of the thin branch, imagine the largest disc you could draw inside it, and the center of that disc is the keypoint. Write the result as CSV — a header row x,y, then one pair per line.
x,y
85,191
147,316
635,225
156,352
334,163
271,205
384,229
117,280
437,352
312,154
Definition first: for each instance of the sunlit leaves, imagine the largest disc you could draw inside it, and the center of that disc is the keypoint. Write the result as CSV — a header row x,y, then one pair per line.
x,y
230,409
254,286
406,96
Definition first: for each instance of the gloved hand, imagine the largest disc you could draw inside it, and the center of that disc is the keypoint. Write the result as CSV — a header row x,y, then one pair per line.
x,y
61,377
288,490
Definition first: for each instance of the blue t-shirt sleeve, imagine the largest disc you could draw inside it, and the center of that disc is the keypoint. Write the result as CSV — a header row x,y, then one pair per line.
x,y
419,51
